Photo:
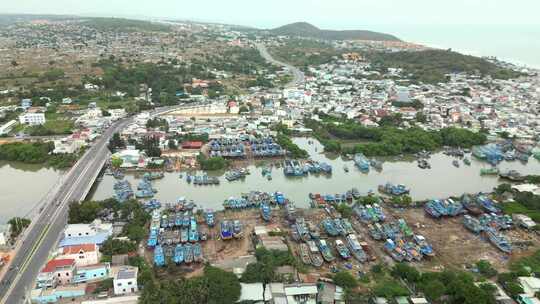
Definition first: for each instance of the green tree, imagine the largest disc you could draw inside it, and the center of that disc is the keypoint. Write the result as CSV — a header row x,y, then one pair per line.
x,y
345,279
223,286
434,290
17,225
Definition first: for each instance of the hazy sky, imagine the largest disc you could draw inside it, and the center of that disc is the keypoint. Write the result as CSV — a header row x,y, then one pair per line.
x,y
336,14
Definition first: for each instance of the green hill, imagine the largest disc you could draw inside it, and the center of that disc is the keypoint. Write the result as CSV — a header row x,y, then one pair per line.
x,y
430,66
304,29
124,25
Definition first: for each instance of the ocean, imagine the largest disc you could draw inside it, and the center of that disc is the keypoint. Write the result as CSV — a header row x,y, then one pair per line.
x,y
518,44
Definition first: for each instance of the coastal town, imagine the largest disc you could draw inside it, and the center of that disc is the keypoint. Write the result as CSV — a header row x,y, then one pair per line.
x,y
207,163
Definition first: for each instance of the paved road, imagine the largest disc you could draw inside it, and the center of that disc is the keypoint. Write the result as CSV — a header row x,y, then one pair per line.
x,y
298,76
44,232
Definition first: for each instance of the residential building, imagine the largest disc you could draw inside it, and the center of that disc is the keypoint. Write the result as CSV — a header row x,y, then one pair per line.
x,y
84,254
125,280
78,230
56,272
301,293
7,127
530,285
54,295
32,119
4,234
92,273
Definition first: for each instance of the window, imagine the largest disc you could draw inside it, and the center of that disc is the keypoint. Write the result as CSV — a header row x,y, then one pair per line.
x,y
79,234
94,275
129,283
119,284
124,290
59,274
67,274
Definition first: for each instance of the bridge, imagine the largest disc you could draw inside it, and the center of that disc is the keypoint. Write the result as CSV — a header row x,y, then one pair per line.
x,y
40,238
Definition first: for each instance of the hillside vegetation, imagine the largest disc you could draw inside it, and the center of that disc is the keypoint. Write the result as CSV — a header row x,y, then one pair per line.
x,y
430,66
124,25
304,29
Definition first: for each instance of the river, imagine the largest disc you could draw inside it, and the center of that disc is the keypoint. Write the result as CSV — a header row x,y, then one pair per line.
x,y
22,187
441,181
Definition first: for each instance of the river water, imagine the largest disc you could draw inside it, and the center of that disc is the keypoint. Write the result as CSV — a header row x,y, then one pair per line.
x,y
441,181
22,186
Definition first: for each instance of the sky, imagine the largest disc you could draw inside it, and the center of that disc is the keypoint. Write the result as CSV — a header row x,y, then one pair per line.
x,y
328,14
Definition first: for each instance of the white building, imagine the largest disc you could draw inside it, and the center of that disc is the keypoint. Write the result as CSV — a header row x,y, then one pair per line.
x,y
6,128
125,280
78,230
402,94
531,285
32,119
84,254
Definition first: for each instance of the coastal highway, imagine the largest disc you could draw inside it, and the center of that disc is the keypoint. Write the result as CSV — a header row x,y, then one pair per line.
x,y
298,76
41,237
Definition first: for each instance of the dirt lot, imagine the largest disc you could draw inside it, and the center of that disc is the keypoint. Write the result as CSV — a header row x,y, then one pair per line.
x,y
453,244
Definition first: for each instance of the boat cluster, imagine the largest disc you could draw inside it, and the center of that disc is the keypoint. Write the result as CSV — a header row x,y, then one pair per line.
x,y
315,250
225,147
494,153
202,180
254,199
296,168
321,200
369,214
175,236
482,215
236,174
392,189
144,188
122,190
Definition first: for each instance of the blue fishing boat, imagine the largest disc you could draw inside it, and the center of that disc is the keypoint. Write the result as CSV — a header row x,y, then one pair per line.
x,y
425,247
193,232
498,240
339,227
226,230
266,212
487,204
343,251
184,235
329,227
279,197
326,251
178,220
159,258
356,248
197,253
209,215
361,162
153,238
188,253
237,229
472,224
392,189
178,254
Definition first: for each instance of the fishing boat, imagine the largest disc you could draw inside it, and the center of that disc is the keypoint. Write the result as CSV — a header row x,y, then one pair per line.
x,y
290,212
178,220
279,197
345,168
226,230
355,193
266,212
376,164
375,231
329,227
314,254
188,253
304,254
489,171
343,251
512,175
186,220
487,204
302,229
347,226
356,248
395,252
392,189
472,224
339,227
209,216
361,162
499,240
159,257
470,205
178,254
237,229
193,235
184,235
455,163
368,251
326,251
294,233
467,161
197,253
425,247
